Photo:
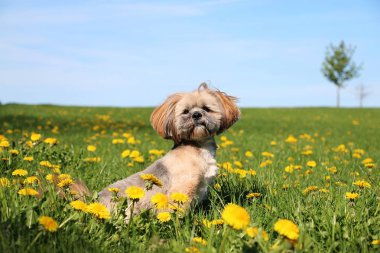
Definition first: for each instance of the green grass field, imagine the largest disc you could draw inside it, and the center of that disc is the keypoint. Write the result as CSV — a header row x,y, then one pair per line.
x,y
301,163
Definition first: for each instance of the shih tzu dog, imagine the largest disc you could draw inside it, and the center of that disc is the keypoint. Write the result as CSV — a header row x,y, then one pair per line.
x,y
191,120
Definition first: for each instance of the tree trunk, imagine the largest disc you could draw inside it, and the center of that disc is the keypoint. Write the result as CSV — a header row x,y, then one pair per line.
x,y
337,96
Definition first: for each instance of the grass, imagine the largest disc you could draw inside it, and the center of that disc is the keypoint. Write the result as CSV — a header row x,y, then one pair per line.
x,y
338,140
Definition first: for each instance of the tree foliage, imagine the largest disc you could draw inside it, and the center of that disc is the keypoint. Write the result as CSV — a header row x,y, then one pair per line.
x,y
338,66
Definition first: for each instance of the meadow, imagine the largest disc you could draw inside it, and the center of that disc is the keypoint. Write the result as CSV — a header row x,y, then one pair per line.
x,y
301,179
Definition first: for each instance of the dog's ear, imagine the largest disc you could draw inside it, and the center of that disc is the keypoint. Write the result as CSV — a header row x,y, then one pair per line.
x,y
231,111
162,118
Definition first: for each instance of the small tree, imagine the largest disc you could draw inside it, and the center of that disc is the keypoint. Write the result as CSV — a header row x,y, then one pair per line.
x,y
362,93
338,66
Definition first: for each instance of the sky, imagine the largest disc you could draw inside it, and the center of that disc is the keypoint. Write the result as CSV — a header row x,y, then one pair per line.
x,y
135,53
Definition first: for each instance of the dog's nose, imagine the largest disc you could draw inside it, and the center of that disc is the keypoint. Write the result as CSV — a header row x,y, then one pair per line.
x,y
196,115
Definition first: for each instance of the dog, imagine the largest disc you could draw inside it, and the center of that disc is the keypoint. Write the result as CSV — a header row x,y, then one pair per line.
x,y
191,120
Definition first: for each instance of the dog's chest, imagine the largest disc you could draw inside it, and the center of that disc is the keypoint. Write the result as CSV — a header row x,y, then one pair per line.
x,y
211,170
211,167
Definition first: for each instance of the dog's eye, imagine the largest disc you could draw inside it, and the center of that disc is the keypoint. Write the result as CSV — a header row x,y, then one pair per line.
x,y
205,108
186,111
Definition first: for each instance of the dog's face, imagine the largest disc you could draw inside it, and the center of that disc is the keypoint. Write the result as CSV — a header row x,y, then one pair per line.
x,y
195,115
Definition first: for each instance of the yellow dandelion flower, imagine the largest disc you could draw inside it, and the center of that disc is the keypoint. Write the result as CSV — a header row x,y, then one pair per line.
x,y
14,152
28,192
254,231
332,170
235,216
248,154
92,159
307,152
28,158
352,195
4,144
91,148
118,141
164,217
156,152
367,160
227,143
287,228
46,164
208,223
55,130
323,190
113,189
265,163
4,182
362,184
199,240
217,222
65,182
20,172
49,178
340,184
131,140
139,159
241,173
359,151
135,153
267,154
79,205
48,223
35,137
311,164
51,141
127,135
253,195
273,143
192,249
160,201
98,210
369,165
238,164
355,122
31,180
341,148
135,192
289,169
375,242
310,189
125,153
179,197
291,139
217,187
64,176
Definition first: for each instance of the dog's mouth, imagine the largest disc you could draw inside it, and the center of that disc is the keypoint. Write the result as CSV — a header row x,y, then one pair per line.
x,y
197,129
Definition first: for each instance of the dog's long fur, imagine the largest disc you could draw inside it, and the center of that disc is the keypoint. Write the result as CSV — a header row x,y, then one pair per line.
x,y
191,120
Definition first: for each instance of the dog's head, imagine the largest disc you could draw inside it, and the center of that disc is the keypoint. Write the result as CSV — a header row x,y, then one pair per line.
x,y
195,115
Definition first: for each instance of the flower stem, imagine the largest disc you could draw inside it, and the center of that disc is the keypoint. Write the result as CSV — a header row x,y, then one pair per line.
x,y
34,240
132,207
224,239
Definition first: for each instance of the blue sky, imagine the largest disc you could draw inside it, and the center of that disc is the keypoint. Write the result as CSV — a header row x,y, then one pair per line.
x,y
135,53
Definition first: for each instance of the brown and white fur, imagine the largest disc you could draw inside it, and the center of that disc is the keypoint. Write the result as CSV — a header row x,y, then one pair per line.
x,y
191,120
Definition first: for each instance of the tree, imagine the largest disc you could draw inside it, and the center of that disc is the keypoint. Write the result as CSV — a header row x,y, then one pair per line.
x,y
362,93
338,66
